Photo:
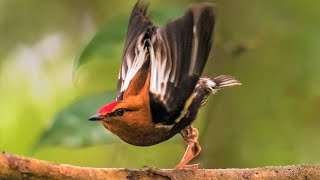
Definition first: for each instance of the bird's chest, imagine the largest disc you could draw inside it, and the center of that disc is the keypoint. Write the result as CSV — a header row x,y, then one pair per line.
x,y
141,134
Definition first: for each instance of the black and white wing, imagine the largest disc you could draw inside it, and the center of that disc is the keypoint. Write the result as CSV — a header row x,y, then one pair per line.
x,y
178,57
133,59
176,54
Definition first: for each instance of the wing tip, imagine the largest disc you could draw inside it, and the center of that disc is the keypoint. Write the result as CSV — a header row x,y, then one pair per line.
x,y
204,7
141,6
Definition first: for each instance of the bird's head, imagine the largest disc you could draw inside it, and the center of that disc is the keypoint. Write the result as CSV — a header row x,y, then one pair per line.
x,y
119,111
130,120
112,111
120,117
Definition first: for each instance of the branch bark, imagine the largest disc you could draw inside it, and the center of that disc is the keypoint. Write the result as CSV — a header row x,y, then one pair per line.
x,y
17,167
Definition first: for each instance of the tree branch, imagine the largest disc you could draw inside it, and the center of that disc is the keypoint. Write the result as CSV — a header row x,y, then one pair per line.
x,y
17,167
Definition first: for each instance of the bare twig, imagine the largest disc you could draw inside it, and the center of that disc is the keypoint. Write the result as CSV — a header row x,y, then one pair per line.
x,y
17,167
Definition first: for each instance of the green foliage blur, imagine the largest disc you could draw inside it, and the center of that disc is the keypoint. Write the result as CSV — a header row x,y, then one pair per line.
x,y
271,46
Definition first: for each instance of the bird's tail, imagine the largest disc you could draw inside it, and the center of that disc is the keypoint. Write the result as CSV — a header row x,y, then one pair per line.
x,y
207,86
212,85
225,81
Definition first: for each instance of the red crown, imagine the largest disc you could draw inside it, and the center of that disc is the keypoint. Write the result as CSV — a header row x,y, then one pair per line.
x,y
108,108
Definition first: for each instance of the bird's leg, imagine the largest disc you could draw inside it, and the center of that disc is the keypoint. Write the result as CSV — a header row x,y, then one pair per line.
x,y
190,135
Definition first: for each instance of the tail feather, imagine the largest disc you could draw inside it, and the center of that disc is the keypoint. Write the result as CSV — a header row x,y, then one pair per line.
x,y
225,81
213,85
207,86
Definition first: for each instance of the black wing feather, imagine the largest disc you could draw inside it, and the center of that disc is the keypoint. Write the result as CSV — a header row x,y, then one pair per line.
x,y
138,24
183,46
177,53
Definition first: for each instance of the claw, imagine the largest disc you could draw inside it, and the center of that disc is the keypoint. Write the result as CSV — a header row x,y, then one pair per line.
x,y
164,173
192,166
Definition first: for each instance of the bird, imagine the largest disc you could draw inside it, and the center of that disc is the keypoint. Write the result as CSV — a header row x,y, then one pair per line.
x,y
160,87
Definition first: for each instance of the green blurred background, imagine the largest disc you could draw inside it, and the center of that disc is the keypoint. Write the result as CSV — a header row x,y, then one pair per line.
x,y
271,46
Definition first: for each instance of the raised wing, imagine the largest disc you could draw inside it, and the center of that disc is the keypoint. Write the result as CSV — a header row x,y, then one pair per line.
x,y
177,54
178,57
133,59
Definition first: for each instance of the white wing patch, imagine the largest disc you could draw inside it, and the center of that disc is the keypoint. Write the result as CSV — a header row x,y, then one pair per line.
x,y
161,67
141,55
162,71
195,45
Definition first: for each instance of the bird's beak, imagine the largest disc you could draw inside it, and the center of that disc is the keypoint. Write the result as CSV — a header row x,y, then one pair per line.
x,y
96,117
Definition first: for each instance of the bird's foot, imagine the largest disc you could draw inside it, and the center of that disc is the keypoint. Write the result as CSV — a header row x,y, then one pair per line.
x,y
172,173
189,167
162,172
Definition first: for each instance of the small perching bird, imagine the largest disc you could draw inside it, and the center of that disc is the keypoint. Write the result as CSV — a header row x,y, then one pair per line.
x,y
160,90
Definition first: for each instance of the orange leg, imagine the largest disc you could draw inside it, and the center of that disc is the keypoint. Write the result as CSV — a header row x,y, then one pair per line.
x,y
190,135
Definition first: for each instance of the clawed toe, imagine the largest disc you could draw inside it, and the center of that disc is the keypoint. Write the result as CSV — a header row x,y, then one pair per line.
x,y
190,167
165,173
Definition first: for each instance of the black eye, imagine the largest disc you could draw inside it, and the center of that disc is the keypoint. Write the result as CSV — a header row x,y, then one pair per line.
x,y
119,112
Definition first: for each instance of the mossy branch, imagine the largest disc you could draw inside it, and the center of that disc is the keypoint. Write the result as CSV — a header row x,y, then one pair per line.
x,y
17,167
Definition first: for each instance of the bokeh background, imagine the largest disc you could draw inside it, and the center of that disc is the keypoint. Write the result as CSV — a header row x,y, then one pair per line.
x,y
271,46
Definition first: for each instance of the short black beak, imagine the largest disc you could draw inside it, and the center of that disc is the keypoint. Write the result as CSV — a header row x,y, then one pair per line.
x,y
96,117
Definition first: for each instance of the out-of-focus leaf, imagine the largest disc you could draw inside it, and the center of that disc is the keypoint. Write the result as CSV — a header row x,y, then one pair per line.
x,y
71,127
106,44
